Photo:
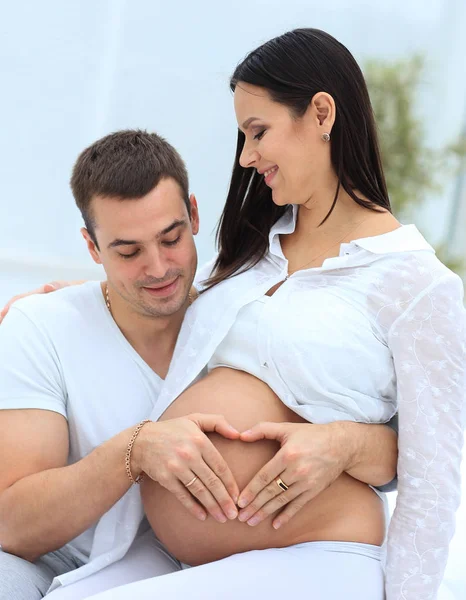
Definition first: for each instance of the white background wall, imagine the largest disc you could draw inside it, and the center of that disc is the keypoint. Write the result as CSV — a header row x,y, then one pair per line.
x,y
76,70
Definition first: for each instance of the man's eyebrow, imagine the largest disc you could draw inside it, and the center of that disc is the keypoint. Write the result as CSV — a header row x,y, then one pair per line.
x,y
174,225
119,242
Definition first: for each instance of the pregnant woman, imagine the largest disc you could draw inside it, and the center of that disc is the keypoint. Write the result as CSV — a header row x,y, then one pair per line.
x,y
320,311
319,307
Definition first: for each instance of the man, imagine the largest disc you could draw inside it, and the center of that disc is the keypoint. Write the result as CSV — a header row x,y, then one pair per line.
x,y
80,371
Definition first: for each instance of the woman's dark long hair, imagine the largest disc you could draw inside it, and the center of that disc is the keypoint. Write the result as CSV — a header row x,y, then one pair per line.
x,y
293,68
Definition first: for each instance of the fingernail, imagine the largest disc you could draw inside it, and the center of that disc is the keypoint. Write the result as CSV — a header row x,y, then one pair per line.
x,y
276,525
253,521
202,516
232,513
235,499
246,432
243,517
242,502
221,517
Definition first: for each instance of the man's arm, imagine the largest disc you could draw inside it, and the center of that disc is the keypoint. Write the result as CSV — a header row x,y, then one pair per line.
x,y
44,503
373,450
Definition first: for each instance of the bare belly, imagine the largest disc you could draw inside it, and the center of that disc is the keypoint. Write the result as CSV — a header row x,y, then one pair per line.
x,y
347,511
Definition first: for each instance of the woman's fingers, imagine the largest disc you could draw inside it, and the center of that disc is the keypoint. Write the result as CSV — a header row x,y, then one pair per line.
x,y
43,289
264,431
218,478
182,493
215,424
203,493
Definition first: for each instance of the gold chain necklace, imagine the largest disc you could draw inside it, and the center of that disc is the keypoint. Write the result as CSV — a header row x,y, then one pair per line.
x,y
327,249
109,306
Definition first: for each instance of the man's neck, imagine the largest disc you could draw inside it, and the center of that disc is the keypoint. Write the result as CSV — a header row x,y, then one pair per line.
x,y
153,338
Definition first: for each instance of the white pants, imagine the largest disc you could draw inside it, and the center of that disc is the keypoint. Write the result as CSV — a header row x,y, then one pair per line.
x,y
313,570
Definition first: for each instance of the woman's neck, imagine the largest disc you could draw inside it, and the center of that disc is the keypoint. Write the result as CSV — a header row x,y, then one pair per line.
x,y
345,212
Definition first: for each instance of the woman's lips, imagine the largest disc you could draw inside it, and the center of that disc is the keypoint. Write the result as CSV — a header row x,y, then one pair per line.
x,y
268,178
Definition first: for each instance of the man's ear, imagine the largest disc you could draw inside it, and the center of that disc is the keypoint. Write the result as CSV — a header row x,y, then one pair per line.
x,y
194,214
91,246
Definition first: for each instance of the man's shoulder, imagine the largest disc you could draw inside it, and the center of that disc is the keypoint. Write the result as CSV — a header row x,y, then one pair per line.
x,y
56,308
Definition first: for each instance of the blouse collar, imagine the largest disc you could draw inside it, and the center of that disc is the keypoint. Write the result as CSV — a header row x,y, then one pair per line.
x,y
406,238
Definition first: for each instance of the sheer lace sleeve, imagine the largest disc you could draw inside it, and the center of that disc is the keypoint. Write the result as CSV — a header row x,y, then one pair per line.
x,y
428,346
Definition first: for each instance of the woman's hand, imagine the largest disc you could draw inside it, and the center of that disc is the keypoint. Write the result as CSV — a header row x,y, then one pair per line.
x,y
311,457
178,455
43,289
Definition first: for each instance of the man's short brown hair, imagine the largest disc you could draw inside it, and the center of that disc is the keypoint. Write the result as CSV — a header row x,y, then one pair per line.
x,y
126,165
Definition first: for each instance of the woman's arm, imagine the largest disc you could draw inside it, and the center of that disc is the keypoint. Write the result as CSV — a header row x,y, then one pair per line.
x,y
43,289
428,346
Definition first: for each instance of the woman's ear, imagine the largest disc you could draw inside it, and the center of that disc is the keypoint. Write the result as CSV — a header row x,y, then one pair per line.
x,y
323,108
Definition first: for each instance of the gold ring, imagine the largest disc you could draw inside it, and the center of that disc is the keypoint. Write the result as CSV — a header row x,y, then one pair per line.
x,y
281,484
191,482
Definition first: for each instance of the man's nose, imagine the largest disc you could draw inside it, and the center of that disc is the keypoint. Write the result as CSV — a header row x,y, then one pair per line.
x,y
156,264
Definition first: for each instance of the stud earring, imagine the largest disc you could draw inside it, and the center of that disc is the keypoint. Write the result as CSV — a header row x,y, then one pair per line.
x,y
326,137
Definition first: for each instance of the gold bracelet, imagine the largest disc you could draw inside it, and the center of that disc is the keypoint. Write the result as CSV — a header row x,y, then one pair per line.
x,y
140,477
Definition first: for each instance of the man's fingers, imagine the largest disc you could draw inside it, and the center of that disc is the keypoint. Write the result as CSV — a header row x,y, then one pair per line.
x,y
292,508
262,479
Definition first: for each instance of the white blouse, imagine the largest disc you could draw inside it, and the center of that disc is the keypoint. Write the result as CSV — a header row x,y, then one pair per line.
x,y
376,330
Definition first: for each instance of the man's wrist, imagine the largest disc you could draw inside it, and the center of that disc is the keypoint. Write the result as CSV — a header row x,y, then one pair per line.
x,y
350,442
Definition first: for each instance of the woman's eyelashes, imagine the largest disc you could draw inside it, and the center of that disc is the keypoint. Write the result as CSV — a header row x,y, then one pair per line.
x,y
259,135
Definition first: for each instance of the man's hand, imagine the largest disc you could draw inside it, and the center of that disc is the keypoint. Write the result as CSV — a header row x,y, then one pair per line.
x,y
43,289
177,452
311,457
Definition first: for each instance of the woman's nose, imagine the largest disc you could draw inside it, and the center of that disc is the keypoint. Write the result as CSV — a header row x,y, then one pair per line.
x,y
248,157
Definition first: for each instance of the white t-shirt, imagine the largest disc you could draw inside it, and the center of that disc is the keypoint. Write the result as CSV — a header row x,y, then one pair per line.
x,y
64,352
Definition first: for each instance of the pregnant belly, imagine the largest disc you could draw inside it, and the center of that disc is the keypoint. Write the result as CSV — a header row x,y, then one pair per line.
x,y
348,510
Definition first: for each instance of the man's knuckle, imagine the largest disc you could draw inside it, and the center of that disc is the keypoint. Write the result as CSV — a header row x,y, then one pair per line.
x,y
270,491
263,479
282,499
301,473
291,454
